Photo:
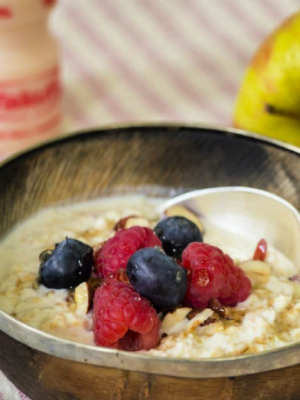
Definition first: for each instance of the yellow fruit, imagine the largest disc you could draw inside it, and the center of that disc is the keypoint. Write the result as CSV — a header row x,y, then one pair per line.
x,y
269,98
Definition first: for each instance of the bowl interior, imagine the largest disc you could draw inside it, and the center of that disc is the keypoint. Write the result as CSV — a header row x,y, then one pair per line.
x,y
152,160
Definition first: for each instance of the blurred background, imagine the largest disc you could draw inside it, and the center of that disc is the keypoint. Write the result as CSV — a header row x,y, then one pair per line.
x,y
153,60
146,60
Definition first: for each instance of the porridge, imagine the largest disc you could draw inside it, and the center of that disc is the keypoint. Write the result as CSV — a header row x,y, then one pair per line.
x,y
210,295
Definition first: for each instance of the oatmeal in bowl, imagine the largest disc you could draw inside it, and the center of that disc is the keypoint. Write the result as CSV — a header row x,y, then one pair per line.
x,y
113,273
50,337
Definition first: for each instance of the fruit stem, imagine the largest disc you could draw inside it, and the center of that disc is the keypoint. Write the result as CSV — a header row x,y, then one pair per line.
x,y
270,109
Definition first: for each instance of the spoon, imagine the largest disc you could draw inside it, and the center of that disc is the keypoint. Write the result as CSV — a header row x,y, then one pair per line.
x,y
246,215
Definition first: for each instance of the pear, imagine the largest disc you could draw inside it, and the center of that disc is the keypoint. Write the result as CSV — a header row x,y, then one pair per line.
x,y
269,98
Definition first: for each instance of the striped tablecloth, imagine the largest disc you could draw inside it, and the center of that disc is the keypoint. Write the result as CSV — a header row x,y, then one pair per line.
x,y
153,60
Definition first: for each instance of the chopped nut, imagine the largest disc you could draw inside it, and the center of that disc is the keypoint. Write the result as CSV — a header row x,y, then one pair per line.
x,y
172,318
89,235
241,349
209,321
193,313
82,297
131,220
84,294
137,221
257,271
198,320
184,212
219,309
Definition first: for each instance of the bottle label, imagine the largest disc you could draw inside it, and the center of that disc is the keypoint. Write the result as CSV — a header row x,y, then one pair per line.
x,y
30,106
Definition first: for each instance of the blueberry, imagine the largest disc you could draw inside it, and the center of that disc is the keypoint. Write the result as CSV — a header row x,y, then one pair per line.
x,y
176,233
68,265
157,277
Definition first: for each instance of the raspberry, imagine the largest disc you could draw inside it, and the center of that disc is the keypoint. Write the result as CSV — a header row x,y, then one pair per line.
x,y
123,319
213,274
115,253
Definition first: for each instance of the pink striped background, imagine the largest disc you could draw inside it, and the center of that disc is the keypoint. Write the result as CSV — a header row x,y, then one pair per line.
x,y
150,60
144,60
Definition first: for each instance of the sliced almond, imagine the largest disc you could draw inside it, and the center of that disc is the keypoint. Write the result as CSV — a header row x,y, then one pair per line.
x,y
82,297
192,314
257,271
132,220
91,235
185,212
172,318
137,221
84,293
198,320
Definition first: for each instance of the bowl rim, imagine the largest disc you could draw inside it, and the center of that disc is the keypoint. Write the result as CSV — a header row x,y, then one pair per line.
x,y
217,128
286,356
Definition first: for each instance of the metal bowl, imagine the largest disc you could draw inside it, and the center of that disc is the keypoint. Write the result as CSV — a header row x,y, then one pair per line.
x,y
158,160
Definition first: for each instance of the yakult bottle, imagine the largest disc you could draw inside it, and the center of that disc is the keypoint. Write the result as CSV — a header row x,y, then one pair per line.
x,y
30,93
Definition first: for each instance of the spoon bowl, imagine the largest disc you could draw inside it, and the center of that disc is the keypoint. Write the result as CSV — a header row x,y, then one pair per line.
x,y
245,215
